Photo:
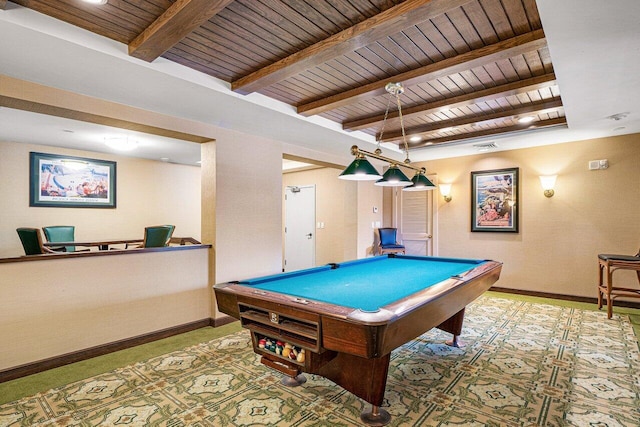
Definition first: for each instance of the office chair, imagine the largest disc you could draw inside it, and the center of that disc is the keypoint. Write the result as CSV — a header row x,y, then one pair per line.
x,y
32,241
388,243
60,233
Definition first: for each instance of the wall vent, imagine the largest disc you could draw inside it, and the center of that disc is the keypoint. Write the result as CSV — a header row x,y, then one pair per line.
x,y
485,147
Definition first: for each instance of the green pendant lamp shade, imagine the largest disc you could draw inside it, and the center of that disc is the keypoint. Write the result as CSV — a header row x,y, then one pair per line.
x,y
393,177
360,170
420,183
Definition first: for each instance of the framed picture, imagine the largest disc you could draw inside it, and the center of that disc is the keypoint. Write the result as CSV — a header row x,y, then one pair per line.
x,y
71,182
494,197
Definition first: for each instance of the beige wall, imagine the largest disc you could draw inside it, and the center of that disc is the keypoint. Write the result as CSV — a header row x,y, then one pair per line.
x,y
335,207
248,206
52,307
369,197
556,249
148,193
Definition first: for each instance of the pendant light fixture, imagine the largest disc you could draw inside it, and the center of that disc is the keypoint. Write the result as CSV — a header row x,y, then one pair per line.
x,y
362,170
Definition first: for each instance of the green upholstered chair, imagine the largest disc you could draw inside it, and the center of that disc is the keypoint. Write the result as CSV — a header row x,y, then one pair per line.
x,y
32,241
157,236
60,233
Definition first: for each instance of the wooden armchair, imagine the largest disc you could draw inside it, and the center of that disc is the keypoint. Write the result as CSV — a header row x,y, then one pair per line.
x,y
606,290
31,240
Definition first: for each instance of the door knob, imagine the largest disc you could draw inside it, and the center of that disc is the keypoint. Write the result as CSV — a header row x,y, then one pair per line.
x,y
309,235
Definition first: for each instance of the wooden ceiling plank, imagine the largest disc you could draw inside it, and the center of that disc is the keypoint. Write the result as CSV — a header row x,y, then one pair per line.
x,y
498,18
180,19
487,132
524,86
231,40
517,16
3,4
268,26
475,58
105,24
461,21
540,108
384,24
481,23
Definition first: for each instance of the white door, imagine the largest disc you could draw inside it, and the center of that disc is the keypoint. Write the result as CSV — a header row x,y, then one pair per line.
x,y
415,217
299,228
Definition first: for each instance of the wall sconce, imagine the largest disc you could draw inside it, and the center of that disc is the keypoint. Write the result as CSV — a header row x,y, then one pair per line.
x,y
548,182
445,190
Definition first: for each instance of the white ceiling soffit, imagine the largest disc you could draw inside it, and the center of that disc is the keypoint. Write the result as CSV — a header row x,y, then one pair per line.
x,y
594,45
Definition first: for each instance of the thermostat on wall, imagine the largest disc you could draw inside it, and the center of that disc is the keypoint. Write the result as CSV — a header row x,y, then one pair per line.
x,y
598,164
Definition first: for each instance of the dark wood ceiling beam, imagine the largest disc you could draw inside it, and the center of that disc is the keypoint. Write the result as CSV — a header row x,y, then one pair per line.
x,y
560,121
504,49
180,19
541,107
464,100
390,21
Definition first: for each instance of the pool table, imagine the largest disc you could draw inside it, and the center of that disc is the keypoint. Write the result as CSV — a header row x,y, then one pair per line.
x,y
342,321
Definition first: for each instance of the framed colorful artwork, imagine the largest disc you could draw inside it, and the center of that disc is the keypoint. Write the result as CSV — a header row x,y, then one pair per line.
x,y
71,182
494,197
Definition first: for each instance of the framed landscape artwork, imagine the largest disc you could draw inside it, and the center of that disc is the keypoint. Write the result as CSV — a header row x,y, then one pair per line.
x,y
72,182
494,196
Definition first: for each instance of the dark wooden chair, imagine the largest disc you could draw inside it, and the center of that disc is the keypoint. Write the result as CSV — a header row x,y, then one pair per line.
x,y
608,263
388,243
31,240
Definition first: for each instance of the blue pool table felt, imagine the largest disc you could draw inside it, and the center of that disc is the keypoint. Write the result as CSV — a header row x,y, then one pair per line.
x,y
366,284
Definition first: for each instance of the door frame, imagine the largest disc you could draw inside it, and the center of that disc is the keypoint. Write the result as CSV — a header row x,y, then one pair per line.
x,y
432,209
284,228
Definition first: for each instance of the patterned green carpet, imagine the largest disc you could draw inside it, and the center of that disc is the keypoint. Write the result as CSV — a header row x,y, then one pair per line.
x,y
523,364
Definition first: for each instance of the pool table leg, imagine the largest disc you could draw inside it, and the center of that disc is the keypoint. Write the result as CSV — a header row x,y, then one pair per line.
x,y
375,417
296,381
453,325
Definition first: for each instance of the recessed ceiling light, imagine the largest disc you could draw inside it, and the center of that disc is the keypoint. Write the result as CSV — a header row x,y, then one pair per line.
x,y
415,138
164,159
121,143
99,2
526,119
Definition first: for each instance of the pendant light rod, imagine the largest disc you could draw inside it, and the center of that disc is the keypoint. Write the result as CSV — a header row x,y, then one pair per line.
x,y
378,155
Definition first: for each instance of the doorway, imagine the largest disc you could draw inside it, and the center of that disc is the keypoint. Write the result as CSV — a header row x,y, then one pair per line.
x,y
299,229
415,217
